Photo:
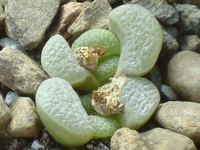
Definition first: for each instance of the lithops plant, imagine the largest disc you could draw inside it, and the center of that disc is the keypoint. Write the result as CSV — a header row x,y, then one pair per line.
x,y
133,100
62,113
140,37
58,60
64,117
92,60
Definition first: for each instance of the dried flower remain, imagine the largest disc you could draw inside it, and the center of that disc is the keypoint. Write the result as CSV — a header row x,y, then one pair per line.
x,y
105,100
87,57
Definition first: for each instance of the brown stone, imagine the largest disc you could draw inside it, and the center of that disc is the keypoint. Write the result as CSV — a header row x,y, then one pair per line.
x,y
163,139
94,16
25,120
5,114
65,17
127,139
19,72
180,117
183,75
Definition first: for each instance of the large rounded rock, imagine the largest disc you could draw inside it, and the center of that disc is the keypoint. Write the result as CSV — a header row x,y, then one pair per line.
x,y
19,72
180,117
183,75
157,138
27,21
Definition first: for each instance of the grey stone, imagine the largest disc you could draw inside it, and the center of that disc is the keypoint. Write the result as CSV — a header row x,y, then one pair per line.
x,y
19,72
169,92
101,146
192,2
94,16
163,139
27,21
190,43
36,145
5,114
7,42
189,19
10,97
183,75
64,18
180,117
170,43
127,139
25,121
164,12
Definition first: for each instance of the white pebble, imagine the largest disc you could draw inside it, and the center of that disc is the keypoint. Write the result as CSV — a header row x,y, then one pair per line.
x,y
168,91
6,42
10,96
37,145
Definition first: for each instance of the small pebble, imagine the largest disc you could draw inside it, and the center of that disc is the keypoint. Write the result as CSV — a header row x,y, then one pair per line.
x,y
168,92
127,139
101,146
189,19
7,42
89,146
10,96
36,145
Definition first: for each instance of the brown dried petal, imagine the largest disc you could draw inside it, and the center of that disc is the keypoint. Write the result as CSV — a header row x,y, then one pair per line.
x,y
105,100
87,57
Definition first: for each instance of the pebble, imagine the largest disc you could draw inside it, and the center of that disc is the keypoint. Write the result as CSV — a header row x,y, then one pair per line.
x,y
7,42
19,72
163,139
94,16
5,113
127,139
36,145
170,43
10,96
180,117
25,121
183,75
64,18
190,43
192,2
189,19
101,146
164,12
28,27
169,92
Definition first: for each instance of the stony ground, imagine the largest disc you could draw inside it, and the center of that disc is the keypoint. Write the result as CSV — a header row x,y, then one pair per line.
x,y
176,121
